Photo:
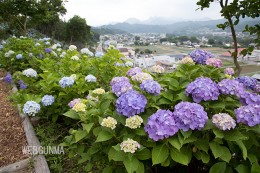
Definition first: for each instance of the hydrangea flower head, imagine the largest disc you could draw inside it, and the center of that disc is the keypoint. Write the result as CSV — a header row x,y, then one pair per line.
x,y
248,98
8,78
76,58
129,146
19,56
134,122
99,91
202,88
157,69
72,47
9,53
140,77
31,108
223,121
129,64
120,85
73,102
22,85
151,87
248,82
161,124
37,44
79,107
190,116
90,97
187,60
130,103
99,54
48,50
109,122
66,82
90,78
231,87
47,100
30,72
230,71
215,62
248,115
200,56
134,71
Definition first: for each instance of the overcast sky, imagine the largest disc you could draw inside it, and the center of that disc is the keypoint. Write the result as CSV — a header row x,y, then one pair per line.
x,y
100,12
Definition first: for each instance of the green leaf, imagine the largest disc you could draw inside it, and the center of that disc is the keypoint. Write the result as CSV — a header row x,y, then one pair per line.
x,y
72,114
80,134
140,168
131,164
202,145
143,154
186,134
159,154
216,149
252,158
226,156
218,133
243,148
168,95
87,127
103,136
108,169
218,105
219,167
205,157
104,105
255,168
116,155
183,156
242,169
234,135
175,143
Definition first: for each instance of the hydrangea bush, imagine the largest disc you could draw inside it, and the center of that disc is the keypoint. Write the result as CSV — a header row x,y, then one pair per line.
x,y
124,119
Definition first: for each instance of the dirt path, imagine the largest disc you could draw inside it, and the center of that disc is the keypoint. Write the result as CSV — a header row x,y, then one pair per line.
x,y
12,137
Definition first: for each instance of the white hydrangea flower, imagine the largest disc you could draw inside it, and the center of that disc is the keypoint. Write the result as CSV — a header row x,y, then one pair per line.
x,y
99,91
76,58
30,72
54,53
73,76
54,46
129,64
223,121
134,122
187,60
157,69
90,78
140,77
9,53
86,51
79,107
37,44
109,122
129,146
59,49
72,47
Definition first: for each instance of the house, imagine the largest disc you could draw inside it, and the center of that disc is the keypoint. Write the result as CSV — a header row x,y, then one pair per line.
x,y
228,54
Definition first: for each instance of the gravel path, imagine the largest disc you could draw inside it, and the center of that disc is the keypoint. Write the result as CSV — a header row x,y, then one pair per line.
x,y
12,137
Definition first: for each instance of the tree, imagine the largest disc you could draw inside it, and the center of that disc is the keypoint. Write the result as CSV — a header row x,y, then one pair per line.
x,y
78,32
211,41
232,12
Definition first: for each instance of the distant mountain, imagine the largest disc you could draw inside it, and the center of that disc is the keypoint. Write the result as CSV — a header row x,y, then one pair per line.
x,y
133,21
184,27
104,30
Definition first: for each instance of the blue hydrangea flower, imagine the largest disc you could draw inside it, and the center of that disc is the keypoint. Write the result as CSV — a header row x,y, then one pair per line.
x,y
90,78
161,124
47,100
151,87
134,71
99,54
8,78
19,56
31,108
130,103
248,115
40,55
203,88
22,85
200,56
248,98
120,85
248,82
190,116
231,87
66,82
48,50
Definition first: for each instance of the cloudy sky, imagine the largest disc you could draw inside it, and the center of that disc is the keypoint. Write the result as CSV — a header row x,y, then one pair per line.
x,y
100,12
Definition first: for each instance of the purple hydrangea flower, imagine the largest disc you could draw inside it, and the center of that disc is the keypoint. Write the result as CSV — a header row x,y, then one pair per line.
x,y
247,81
131,103
40,55
190,116
248,115
200,56
120,85
117,80
215,62
8,78
151,87
257,88
48,50
134,71
47,100
161,124
22,85
66,82
249,98
231,87
203,88
229,71
73,102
